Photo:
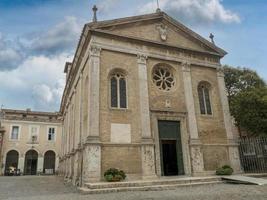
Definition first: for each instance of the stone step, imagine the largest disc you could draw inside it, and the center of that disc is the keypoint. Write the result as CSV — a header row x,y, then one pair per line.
x,y
142,183
144,188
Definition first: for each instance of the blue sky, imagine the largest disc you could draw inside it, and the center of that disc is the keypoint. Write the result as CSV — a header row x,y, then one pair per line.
x,y
38,36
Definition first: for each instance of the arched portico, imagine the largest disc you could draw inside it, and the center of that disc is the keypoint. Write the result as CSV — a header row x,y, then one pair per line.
x,y
12,159
31,161
49,162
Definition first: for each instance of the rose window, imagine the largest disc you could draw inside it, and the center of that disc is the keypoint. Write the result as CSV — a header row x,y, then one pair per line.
x,y
163,78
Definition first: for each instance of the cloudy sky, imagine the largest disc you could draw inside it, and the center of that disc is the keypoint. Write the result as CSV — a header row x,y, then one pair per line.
x,y
38,36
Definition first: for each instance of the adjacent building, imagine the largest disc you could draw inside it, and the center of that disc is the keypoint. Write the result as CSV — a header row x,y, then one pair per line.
x,y
145,94
30,141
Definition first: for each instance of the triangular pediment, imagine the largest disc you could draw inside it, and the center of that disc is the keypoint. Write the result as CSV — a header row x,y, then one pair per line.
x,y
160,28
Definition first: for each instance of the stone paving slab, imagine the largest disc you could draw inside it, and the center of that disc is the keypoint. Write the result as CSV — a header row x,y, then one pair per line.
x,y
52,188
245,179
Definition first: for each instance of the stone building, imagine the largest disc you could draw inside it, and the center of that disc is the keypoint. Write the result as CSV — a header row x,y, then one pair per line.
x,y
145,94
31,141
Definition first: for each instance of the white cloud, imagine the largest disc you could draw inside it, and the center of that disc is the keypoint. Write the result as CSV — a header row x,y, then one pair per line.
x,y
9,56
106,5
47,97
31,68
63,36
194,11
39,81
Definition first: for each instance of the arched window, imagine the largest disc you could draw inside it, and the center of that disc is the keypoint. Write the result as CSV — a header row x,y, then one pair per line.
x,y
118,94
204,98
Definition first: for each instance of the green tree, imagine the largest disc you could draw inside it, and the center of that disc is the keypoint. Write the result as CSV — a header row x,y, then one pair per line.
x,y
249,109
241,79
247,94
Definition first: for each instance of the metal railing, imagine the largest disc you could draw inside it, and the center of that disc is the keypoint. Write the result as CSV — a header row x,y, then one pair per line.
x,y
253,154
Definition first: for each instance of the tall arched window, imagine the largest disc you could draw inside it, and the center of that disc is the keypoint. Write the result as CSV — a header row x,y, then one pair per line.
x,y
118,94
204,98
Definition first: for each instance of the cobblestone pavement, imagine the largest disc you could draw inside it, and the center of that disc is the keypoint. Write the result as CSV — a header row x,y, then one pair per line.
x,y
52,188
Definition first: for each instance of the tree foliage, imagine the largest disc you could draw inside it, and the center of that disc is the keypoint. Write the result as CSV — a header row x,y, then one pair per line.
x,y
249,109
247,94
241,79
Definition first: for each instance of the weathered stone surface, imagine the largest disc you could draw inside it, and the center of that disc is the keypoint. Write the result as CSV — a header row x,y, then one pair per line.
x,y
128,138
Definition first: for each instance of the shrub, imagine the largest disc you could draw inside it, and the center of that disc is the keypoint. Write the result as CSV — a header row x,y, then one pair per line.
x,y
224,170
114,174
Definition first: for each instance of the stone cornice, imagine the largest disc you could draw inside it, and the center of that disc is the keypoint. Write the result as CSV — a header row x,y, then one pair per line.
x,y
124,49
80,52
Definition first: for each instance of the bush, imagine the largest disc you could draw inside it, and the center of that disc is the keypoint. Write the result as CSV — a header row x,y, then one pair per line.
x,y
114,174
224,170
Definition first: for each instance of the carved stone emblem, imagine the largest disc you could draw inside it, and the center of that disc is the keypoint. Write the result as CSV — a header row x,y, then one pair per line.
x,y
162,31
167,103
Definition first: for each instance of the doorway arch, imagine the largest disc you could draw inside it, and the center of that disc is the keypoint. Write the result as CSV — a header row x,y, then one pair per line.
x,y
49,162
31,160
12,159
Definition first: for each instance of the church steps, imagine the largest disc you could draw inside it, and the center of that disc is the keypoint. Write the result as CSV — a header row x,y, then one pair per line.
x,y
153,185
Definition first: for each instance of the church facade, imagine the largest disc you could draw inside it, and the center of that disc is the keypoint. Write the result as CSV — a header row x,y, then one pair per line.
x,y
145,94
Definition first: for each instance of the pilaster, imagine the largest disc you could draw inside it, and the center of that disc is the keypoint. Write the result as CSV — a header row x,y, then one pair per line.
x,y
91,160
232,144
195,143
94,85
75,172
40,163
21,163
147,149
92,147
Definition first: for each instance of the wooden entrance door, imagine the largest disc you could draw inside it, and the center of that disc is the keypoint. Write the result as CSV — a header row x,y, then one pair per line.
x,y
170,148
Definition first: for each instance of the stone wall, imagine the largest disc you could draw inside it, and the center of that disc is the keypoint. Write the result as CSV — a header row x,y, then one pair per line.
x,y
127,158
215,156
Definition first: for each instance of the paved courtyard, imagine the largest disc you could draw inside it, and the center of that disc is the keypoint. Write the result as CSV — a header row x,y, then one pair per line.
x,y
52,188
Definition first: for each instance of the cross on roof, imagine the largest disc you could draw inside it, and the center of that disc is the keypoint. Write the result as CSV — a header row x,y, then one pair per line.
x,y
95,10
212,38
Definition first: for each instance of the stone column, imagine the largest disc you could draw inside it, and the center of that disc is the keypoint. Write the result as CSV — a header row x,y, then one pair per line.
x,y
232,144
21,163
67,130
57,168
2,131
80,145
75,172
3,165
40,163
147,148
195,143
92,148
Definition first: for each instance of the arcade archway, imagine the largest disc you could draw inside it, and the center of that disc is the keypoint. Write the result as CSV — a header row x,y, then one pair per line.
x,y
31,160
